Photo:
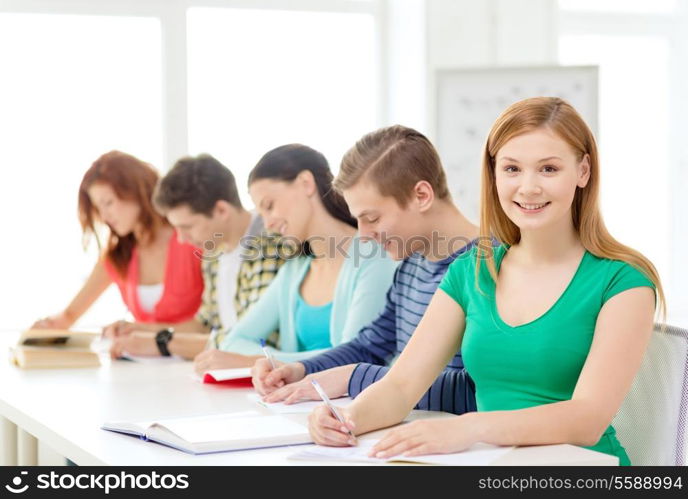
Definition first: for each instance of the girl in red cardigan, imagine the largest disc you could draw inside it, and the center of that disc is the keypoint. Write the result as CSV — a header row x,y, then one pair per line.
x,y
159,278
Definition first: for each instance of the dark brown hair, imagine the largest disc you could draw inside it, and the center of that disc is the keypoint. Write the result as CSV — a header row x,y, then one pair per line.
x,y
198,182
131,179
286,162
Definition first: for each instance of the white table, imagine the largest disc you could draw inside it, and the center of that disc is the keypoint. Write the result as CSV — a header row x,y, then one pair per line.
x,y
64,410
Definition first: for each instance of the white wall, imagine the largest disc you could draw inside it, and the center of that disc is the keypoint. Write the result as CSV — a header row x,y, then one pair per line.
x,y
406,64
465,33
678,307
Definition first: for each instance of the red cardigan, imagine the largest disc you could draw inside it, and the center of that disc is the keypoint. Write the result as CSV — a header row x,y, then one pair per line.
x,y
183,285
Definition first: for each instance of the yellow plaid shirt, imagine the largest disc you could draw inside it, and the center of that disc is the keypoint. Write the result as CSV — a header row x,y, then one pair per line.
x,y
259,265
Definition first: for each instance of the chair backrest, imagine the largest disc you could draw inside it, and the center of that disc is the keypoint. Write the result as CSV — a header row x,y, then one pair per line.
x,y
651,422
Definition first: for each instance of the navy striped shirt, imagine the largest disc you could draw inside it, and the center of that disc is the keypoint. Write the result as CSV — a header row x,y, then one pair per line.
x,y
415,282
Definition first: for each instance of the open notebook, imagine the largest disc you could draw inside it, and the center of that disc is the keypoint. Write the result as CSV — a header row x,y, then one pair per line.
x,y
479,454
218,433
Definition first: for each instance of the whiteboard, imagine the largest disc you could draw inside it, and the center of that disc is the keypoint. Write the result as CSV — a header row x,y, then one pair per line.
x,y
470,100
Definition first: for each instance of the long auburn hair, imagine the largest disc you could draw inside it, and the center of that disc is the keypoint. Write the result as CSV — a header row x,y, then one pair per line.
x,y
131,179
561,118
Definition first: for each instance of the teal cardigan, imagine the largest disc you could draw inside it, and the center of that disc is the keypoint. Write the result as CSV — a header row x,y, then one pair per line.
x,y
359,297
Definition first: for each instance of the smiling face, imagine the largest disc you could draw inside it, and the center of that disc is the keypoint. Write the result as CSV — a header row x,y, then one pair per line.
x,y
285,206
382,219
536,176
121,215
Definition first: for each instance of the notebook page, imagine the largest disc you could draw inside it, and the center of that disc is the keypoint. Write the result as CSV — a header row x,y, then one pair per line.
x,y
303,407
358,453
479,454
229,427
152,359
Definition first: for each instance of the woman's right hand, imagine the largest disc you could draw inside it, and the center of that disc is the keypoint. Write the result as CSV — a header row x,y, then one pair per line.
x,y
58,321
117,329
266,379
325,429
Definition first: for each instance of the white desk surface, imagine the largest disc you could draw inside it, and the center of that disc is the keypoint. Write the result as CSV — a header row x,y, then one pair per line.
x,y
64,408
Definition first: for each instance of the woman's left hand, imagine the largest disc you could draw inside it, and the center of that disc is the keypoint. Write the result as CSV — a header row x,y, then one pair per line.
x,y
211,359
426,436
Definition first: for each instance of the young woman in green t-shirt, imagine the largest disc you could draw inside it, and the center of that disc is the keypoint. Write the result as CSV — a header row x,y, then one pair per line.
x,y
552,325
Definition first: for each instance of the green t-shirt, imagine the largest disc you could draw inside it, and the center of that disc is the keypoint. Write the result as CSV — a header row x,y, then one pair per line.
x,y
539,362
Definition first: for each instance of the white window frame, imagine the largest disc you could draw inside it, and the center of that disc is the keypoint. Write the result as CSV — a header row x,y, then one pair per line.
x,y
673,26
172,16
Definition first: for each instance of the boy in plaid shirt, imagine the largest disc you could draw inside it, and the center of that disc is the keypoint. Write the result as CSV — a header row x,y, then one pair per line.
x,y
200,200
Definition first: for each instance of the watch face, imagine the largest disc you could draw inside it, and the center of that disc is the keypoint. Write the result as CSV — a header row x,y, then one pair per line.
x,y
162,339
163,336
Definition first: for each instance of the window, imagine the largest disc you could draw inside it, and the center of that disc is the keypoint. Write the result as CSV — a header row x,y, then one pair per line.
x,y
641,126
623,6
633,136
158,80
259,79
73,87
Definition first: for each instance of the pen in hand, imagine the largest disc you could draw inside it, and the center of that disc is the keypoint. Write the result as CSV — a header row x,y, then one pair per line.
x,y
267,353
331,406
211,338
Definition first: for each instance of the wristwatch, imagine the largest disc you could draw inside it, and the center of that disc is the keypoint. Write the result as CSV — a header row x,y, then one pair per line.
x,y
163,337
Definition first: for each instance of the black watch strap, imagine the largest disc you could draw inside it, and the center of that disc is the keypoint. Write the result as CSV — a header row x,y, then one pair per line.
x,y
163,337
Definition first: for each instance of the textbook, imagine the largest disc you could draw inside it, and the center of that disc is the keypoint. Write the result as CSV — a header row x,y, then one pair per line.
x,y
236,378
479,454
54,348
218,433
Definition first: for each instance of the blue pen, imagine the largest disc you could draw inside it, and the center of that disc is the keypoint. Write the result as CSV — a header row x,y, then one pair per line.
x,y
267,353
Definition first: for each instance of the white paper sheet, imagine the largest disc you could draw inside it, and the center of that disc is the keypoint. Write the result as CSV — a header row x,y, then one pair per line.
x,y
233,426
304,407
479,454
150,359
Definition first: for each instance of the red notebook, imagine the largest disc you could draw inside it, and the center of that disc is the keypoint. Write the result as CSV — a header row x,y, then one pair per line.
x,y
235,378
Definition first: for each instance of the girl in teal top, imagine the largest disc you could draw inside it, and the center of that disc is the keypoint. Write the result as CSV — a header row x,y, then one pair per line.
x,y
539,362
552,325
357,298
312,325
334,286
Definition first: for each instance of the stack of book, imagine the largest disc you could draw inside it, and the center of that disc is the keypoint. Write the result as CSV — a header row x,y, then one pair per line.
x,y
54,348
